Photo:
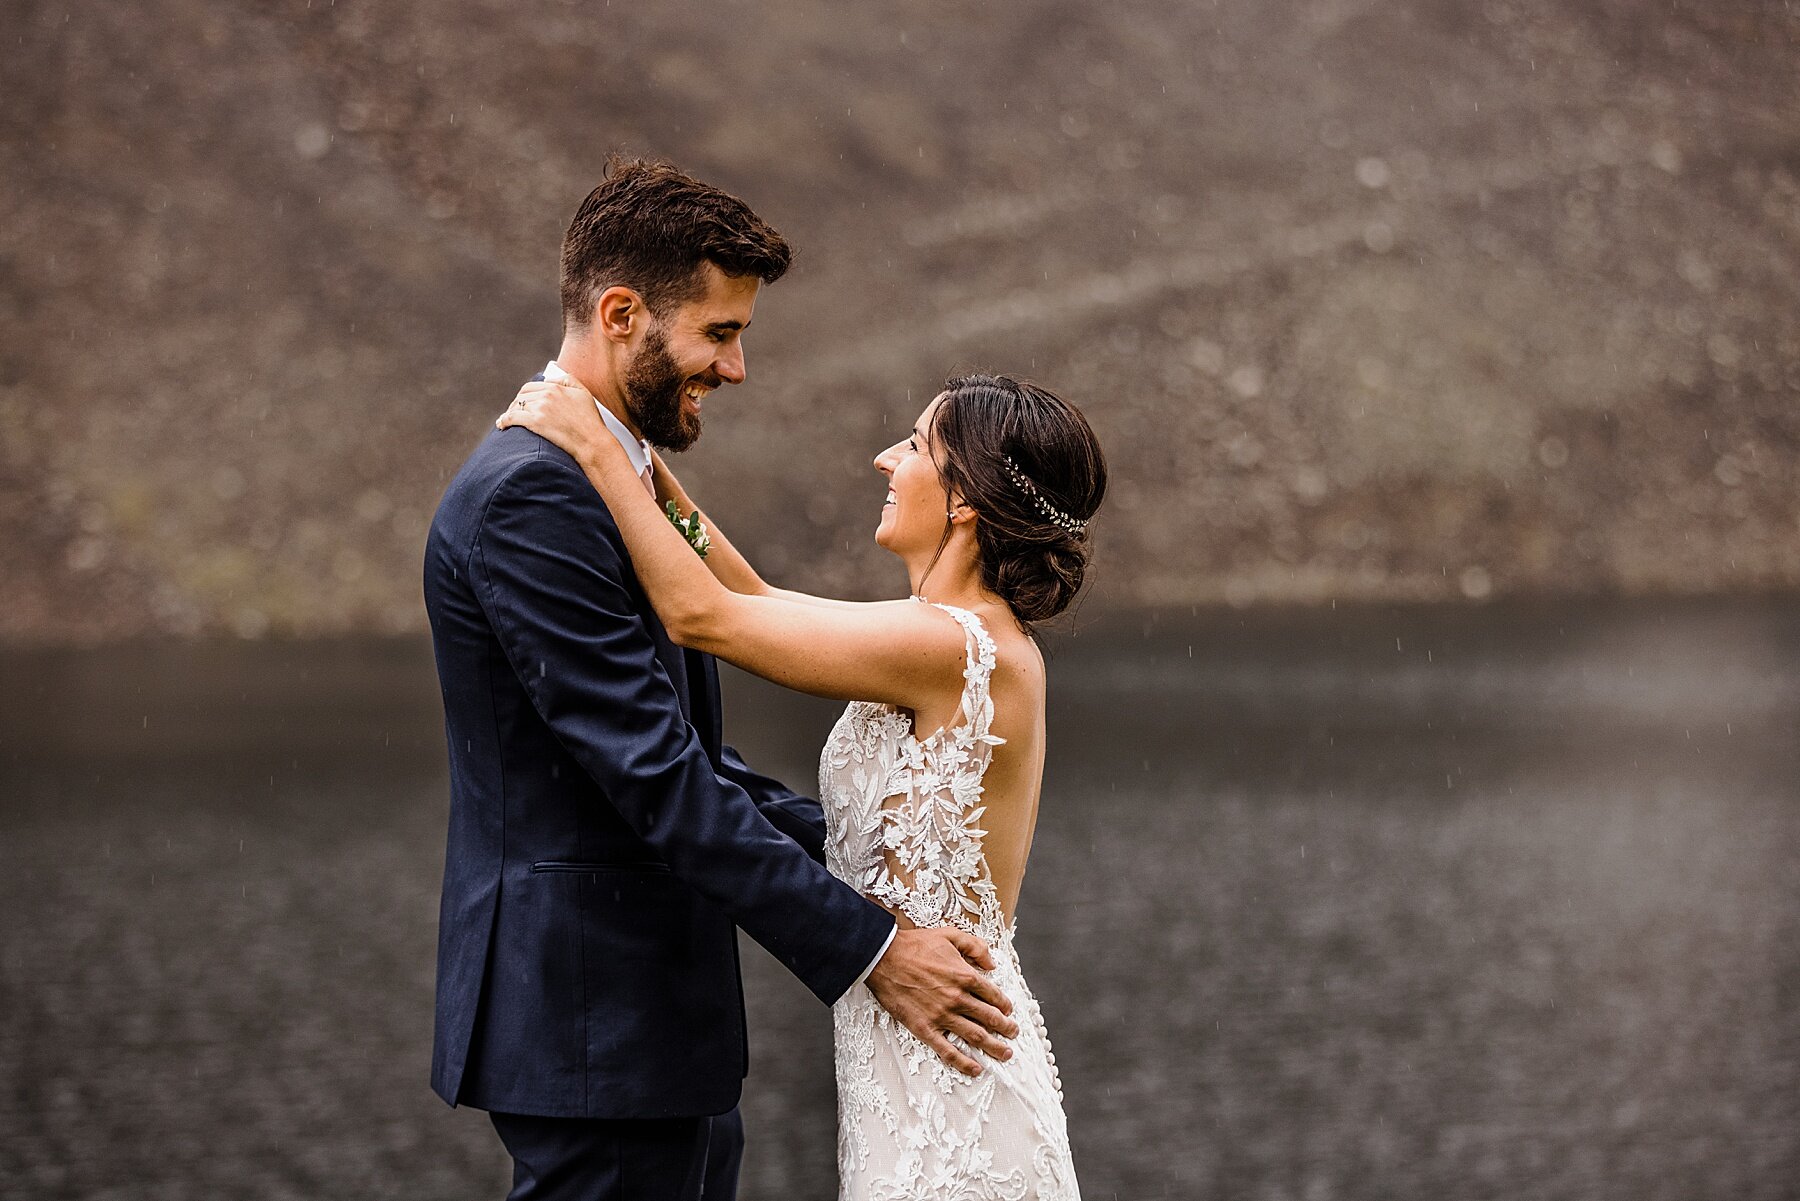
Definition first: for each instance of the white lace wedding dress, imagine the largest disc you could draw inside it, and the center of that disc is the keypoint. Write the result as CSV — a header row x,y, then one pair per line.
x,y
903,820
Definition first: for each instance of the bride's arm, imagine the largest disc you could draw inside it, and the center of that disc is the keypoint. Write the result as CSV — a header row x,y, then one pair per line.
x,y
723,559
727,563
899,652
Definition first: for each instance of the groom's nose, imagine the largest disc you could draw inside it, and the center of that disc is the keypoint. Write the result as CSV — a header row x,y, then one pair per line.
x,y
730,363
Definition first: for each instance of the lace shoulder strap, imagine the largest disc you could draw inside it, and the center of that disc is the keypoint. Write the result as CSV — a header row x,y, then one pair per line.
x,y
977,709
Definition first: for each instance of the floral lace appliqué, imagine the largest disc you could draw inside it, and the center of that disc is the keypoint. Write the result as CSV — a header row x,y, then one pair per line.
x,y
903,818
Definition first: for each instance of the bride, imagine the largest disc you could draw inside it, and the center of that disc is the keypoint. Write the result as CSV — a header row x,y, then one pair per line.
x,y
930,780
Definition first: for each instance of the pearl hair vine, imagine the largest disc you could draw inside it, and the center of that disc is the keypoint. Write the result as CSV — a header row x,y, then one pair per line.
x,y
1052,514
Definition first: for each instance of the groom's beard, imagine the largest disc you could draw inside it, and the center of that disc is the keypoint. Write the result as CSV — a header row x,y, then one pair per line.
x,y
653,386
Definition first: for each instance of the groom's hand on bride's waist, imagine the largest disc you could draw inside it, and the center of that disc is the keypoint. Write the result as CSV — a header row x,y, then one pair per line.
x,y
932,982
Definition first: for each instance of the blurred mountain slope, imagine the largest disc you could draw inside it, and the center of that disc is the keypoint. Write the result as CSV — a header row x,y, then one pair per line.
x,y
1366,301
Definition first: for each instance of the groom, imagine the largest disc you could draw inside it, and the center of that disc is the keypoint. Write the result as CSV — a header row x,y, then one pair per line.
x,y
604,844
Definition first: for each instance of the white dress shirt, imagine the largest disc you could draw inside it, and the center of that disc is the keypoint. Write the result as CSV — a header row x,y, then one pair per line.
x,y
638,451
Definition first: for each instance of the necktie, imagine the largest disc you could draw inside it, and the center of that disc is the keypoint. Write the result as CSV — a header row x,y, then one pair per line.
x,y
647,475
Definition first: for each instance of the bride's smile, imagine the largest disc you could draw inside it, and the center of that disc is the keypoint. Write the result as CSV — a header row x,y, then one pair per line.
x,y
913,512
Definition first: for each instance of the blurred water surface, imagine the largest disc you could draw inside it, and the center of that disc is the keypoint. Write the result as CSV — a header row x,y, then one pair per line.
x,y
1373,903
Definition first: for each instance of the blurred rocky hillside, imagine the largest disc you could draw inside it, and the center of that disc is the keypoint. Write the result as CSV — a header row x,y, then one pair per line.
x,y
1367,300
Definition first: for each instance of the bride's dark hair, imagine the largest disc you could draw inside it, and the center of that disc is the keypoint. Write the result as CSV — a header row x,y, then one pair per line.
x,y
1032,536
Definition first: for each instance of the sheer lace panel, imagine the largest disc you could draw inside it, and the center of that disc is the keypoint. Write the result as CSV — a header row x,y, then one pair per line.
x,y
929,822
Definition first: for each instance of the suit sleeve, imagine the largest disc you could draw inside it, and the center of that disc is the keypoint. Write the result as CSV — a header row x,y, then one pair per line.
x,y
799,817
550,570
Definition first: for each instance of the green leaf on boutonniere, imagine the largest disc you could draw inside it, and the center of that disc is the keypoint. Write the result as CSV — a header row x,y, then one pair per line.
x,y
692,528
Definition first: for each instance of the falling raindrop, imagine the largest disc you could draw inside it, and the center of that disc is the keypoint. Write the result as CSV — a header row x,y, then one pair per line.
x,y
312,141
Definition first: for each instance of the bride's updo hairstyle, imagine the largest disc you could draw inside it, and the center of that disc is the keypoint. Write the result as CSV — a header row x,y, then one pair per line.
x,y
1028,464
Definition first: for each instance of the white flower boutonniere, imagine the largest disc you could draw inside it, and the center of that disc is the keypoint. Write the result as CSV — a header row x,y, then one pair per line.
x,y
691,527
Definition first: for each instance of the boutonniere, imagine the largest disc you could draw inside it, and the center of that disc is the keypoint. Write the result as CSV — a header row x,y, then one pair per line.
x,y
691,527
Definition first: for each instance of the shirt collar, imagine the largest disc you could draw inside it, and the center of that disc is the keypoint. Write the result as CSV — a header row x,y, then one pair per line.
x,y
636,449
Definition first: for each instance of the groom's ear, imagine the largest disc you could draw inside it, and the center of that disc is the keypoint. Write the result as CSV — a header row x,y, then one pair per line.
x,y
619,312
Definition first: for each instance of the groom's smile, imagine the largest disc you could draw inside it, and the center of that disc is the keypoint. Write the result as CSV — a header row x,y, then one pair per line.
x,y
683,356
695,394
687,355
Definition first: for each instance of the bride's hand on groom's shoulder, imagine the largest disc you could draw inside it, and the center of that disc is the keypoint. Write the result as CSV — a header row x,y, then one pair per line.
x,y
563,413
931,981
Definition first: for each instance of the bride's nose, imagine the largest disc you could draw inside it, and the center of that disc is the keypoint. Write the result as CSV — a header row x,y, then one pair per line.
x,y
884,462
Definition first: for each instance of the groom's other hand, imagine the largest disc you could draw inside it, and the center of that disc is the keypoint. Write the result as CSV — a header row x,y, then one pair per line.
x,y
931,981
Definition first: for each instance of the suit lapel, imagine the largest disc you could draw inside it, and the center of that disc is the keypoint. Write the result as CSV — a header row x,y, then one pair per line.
x,y
686,668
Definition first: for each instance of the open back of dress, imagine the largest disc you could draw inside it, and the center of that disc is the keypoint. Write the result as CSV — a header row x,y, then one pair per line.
x,y
903,818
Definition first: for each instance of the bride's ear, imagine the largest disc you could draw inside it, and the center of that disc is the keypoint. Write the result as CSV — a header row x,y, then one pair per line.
x,y
960,514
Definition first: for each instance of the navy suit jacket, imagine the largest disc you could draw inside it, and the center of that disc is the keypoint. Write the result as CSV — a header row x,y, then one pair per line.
x,y
603,842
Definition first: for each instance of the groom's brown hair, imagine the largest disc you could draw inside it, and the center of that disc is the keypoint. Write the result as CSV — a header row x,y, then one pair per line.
x,y
648,226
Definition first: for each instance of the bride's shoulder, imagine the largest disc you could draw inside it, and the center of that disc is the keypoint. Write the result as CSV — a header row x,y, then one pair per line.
x,y
1017,660
1022,663
939,630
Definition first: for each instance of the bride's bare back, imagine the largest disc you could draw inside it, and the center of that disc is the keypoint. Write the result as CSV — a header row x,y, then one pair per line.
x,y
1013,784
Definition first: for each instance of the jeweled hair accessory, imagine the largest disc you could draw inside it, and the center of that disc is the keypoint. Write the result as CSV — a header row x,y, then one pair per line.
x,y
1052,514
